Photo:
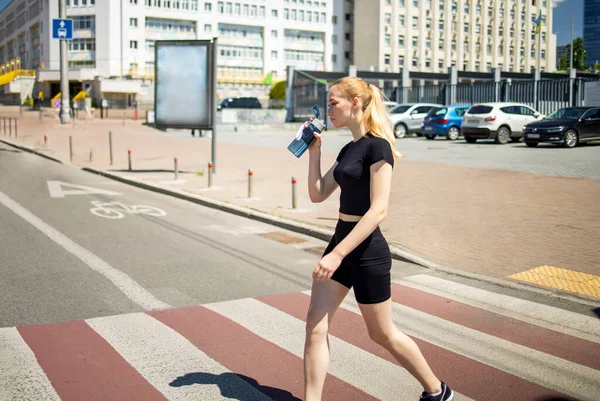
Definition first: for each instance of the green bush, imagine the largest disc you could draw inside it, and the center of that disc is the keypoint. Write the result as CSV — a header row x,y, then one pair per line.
x,y
278,91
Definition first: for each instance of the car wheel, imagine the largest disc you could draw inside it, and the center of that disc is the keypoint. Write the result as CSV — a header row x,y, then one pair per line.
x,y
470,140
503,135
430,136
400,130
531,144
571,139
453,133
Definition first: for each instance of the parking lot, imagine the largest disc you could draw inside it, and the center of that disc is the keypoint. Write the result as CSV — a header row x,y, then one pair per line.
x,y
547,159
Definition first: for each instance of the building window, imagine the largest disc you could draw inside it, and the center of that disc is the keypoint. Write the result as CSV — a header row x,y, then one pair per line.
x,y
442,5
274,54
388,18
334,19
133,44
428,43
334,39
220,7
401,61
401,3
466,27
386,59
543,54
415,22
208,7
334,58
415,42
441,44
134,2
440,63
427,63
133,22
441,25
274,33
207,28
286,12
274,13
347,55
388,39
416,3
415,62
401,40
401,20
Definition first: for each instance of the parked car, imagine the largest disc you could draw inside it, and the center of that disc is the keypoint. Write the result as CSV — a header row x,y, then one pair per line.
x,y
568,127
444,121
240,103
389,104
408,118
501,122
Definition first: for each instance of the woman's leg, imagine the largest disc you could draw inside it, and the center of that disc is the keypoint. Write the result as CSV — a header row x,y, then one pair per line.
x,y
378,318
326,297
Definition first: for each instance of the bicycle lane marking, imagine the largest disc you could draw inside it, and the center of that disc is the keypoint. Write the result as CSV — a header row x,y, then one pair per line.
x,y
132,290
56,189
117,210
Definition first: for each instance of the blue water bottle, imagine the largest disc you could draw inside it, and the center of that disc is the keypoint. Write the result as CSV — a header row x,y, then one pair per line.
x,y
305,137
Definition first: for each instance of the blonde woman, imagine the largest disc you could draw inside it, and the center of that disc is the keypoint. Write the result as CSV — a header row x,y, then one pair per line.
x,y
358,255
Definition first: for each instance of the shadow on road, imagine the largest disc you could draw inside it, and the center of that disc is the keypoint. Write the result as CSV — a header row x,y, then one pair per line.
x,y
226,383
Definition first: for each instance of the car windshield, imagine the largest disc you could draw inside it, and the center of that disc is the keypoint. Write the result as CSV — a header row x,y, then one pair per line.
x,y
400,109
567,114
437,111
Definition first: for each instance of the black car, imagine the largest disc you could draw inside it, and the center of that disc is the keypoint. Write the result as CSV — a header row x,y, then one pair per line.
x,y
240,103
567,127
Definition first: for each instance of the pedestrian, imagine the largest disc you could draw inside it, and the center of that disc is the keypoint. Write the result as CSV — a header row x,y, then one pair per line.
x,y
358,255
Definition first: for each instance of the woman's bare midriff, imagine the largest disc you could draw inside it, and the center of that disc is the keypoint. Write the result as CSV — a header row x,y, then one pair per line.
x,y
349,217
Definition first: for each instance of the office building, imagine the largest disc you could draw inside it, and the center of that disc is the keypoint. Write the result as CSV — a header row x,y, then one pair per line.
x,y
432,35
114,39
591,30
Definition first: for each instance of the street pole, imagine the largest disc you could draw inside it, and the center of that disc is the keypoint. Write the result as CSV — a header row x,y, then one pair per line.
x,y
572,39
213,104
64,77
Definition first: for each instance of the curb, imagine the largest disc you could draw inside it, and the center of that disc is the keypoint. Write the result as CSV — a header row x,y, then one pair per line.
x,y
397,251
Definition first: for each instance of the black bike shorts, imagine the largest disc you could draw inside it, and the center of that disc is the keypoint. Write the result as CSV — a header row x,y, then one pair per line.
x,y
367,268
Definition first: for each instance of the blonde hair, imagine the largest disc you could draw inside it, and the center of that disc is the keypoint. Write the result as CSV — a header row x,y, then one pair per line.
x,y
375,114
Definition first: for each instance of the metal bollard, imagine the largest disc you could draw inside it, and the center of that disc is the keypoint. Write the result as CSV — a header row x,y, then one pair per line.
x,y
45,140
294,194
129,157
4,120
71,148
9,127
16,129
210,167
91,155
175,168
123,118
110,149
250,174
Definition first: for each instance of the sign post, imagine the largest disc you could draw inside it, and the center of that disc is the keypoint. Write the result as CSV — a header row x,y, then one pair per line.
x,y
62,29
189,64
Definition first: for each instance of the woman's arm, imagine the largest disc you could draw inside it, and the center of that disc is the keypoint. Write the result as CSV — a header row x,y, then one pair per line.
x,y
319,187
381,183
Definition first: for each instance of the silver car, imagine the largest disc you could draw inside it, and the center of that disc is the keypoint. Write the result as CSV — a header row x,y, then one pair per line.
x,y
408,118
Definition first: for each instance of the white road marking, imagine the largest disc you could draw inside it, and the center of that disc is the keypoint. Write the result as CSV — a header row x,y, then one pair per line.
x,y
56,190
21,377
122,281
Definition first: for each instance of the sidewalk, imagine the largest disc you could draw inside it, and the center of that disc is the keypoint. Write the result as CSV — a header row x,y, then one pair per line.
x,y
489,222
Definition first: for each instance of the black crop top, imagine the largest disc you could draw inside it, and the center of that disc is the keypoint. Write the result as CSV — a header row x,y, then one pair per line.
x,y
353,173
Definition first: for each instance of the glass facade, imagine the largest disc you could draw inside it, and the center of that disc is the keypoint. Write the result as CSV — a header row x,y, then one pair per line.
x,y
591,31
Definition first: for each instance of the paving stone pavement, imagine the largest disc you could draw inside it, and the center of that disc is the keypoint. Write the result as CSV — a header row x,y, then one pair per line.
x,y
490,221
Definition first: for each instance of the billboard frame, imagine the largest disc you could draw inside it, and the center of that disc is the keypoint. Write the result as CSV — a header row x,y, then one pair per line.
x,y
211,79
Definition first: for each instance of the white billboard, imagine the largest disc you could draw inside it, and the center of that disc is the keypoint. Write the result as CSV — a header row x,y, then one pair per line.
x,y
184,84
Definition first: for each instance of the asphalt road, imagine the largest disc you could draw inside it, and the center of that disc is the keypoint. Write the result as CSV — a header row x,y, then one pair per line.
x,y
75,246
61,262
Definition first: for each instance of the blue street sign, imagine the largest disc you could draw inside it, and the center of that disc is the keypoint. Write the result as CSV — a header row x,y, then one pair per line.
x,y
62,29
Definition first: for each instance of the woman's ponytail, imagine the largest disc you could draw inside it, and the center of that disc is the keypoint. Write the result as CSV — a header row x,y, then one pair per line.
x,y
376,119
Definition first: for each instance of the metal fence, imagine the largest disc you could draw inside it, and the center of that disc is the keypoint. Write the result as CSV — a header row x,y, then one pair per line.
x,y
476,92
544,92
307,92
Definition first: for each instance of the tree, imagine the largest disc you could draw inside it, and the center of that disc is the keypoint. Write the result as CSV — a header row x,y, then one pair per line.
x,y
564,63
579,54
